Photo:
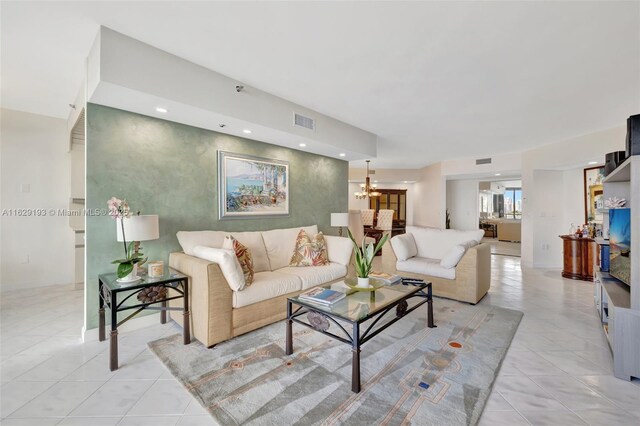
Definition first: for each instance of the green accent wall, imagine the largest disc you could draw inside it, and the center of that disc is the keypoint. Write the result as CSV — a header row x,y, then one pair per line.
x,y
170,169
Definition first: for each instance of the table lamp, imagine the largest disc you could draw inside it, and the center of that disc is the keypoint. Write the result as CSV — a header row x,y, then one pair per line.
x,y
340,220
136,229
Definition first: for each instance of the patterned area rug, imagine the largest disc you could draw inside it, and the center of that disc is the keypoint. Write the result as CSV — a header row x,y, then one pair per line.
x,y
411,374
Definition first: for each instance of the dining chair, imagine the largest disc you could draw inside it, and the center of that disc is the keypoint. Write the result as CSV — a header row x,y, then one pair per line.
x,y
367,216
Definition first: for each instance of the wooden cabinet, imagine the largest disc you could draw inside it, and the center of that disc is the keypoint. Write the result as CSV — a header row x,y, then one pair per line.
x,y
392,199
580,255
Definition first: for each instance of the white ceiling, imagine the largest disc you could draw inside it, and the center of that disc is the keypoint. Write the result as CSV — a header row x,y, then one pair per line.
x,y
433,80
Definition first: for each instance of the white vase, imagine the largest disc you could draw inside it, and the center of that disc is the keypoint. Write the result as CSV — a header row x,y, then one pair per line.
x,y
363,282
133,276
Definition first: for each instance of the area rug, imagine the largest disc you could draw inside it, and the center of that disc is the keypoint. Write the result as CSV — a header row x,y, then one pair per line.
x,y
411,374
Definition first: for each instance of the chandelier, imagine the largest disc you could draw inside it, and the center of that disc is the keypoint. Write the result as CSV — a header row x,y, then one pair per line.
x,y
366,188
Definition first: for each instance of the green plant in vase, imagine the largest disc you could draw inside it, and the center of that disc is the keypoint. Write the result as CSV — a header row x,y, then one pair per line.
x,y
364,255
119,210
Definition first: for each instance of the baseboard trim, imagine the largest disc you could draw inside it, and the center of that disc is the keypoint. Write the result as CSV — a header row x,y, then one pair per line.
x,y
131,325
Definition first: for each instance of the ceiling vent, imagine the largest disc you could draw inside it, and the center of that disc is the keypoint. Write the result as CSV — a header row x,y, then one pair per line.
x,y
302,121
483,161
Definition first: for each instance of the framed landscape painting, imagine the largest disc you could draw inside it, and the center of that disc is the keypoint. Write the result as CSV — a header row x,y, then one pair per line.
x,y
252,186
593,194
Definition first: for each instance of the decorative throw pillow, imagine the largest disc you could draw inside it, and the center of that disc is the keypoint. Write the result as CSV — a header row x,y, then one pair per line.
x,y
244,257
308,251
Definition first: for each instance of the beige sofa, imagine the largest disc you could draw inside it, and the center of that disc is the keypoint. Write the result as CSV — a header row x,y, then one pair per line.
x,y
454,261
218,312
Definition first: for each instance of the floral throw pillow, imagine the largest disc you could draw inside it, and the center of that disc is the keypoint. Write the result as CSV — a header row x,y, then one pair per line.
x,y
244,257
309,251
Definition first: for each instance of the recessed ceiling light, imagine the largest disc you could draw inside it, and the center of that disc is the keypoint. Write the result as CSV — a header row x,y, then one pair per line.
x,y
406,181
302,145
498,174
160,109
247,131
592,163
342,154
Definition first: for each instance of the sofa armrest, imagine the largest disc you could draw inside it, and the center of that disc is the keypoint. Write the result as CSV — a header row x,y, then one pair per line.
x,y
473,272
210,298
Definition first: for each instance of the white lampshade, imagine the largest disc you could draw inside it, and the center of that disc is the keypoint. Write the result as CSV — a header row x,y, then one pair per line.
x,y
339,219
139,228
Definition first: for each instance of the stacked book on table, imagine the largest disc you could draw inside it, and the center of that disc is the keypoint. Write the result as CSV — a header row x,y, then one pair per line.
x,y
387,278
322,296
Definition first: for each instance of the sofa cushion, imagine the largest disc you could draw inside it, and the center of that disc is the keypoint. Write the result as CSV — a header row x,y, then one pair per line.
x,y
404,246
228,263
424,266
339,249
436,243
243,254
316,275
280,243
189,240
309,251
253,241
451,259
266,285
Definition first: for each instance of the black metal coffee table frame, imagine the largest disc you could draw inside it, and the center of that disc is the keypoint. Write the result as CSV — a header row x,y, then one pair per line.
x,y
355,339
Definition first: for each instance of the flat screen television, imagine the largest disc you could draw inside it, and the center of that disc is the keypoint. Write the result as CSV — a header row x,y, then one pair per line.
x,y
620,244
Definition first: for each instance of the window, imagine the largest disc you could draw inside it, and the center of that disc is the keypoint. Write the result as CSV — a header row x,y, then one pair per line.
x,y
513,203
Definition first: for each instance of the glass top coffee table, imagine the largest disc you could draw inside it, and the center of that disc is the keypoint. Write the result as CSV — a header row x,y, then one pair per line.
x,y
374,310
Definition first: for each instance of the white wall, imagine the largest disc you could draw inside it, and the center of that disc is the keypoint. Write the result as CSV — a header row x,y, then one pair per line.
x,y
547,218
463,204
507,164
430,191
37,250
543,186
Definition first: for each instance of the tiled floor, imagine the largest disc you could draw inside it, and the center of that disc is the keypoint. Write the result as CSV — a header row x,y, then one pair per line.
x,y
504,248
50,378
558,370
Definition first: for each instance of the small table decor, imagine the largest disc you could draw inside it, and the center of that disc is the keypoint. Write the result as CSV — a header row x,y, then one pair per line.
x,y
374,284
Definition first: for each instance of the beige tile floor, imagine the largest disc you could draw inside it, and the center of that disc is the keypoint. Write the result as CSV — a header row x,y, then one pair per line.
x,y
558,370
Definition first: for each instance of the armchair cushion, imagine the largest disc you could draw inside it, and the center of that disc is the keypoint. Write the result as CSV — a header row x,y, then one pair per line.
x,y
425,266
228,263
404,246
451,259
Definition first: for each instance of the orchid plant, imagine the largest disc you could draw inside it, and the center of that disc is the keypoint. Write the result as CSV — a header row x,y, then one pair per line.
x,y
119,209
365,253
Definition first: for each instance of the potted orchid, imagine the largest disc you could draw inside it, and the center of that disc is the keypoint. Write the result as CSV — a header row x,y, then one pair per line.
x,y
364,255
119,210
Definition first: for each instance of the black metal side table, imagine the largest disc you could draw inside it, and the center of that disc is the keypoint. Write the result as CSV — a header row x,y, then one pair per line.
x,y
148,291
